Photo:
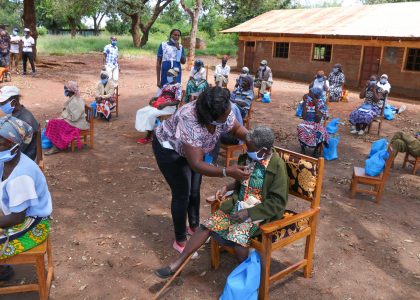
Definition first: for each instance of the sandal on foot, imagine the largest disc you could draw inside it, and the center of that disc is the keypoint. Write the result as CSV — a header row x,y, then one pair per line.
x,y
52,151
164,273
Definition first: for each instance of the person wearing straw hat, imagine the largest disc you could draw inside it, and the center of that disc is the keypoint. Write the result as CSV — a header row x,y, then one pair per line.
x,y
164,104
10,105
104,97
264,77
26,201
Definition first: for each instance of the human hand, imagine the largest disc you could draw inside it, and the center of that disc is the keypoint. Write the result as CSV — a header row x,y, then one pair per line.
x,y
159,85
220,193
239,216
238,172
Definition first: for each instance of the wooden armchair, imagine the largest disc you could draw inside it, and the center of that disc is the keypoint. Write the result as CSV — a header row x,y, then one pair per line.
x,y
39,153
305,182
90,118
379,119
415,162
377,182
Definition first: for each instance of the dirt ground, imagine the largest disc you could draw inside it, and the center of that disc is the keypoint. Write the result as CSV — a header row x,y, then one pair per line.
x,y
112,225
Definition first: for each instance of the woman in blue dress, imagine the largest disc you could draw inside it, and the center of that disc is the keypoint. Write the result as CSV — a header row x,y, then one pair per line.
x,y
170,55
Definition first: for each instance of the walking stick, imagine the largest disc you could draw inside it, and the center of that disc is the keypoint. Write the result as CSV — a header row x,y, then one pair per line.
x,y
173,276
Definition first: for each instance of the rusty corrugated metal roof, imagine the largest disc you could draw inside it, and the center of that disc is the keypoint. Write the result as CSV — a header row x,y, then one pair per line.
x,y
396,20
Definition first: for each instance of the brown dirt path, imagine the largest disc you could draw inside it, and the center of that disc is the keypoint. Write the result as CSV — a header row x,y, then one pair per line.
x,y
112,224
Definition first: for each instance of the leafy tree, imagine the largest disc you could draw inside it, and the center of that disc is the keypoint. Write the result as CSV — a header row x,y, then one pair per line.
x,y
239,11
138,11
385,1
10,13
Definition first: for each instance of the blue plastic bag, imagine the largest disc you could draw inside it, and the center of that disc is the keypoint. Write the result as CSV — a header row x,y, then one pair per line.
x,y
93,105
266,98
244,281
376,163
330,151
389,113
45,142
377,146
299,109
332,126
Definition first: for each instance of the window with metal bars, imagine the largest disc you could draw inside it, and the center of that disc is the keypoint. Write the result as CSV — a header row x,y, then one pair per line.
x,y
322,52
413,60
281,50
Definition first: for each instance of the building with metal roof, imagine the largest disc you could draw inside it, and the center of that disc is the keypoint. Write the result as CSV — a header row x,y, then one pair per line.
x,y
366,40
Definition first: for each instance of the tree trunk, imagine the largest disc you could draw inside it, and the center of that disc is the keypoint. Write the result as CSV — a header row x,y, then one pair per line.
x,y
73,27
144,38
193,39
194,16
29,20
135,30
95,25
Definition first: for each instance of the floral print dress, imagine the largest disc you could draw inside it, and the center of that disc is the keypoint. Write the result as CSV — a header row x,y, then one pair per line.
x,y
240,232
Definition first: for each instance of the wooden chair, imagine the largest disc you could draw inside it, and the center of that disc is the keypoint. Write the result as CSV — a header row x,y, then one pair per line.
x,y
379,119
35,256
85,133
247,119
377,182
415,162
117,98
39,153
231,152
293,226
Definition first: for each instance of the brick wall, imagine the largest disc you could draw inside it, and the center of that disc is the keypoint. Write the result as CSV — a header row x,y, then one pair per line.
x,y
300,66
405,83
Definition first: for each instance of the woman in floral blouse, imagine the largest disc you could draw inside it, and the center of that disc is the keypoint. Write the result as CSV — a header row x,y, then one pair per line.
x,y
180,144
258,199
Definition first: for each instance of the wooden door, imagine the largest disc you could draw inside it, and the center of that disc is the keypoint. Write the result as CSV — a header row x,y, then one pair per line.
x,y
249,55
370,63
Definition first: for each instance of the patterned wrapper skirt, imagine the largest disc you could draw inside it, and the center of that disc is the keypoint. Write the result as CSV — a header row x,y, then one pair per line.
x,y
61,133
364,116
239,233
193,87
311,133
335,93
105,106
23,237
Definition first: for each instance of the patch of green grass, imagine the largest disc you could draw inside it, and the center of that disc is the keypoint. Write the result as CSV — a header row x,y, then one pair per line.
x,y
65,45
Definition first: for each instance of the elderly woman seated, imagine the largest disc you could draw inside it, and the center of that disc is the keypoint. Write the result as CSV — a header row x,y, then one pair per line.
x,y
104,97
26,202
362,116
311,133
336,81
62,131
242,96
164,104
197,82
244,73
259,199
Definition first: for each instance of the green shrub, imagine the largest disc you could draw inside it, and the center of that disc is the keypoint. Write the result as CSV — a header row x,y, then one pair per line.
x,y
42,30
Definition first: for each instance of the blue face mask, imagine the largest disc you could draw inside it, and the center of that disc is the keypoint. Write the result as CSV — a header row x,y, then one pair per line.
x,y
383,81
66,93
15,33
114,43
169,79
7,108
254,156
373,82
7,155
104,81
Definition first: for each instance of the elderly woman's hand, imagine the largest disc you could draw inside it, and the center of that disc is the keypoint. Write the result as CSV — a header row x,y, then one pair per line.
x,y
240,216
220,194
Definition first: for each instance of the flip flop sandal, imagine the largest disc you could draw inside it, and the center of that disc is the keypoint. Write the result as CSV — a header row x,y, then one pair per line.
x,y
164,273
